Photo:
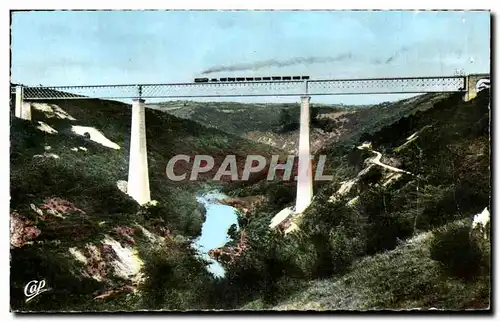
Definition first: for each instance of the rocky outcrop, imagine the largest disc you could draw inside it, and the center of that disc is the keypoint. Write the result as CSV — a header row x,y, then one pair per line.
x,y
375,172
481,224
22,230
122,185
244,204
230,254
281,217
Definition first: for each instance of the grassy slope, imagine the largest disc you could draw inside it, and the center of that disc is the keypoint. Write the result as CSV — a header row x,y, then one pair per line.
x,y
403,278
257,122
232,117
87,180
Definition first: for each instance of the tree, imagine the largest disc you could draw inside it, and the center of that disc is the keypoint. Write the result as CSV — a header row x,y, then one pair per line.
x,y
287,122
232,232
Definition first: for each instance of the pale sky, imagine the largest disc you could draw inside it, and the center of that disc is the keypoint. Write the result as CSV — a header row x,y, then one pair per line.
x,y
130,47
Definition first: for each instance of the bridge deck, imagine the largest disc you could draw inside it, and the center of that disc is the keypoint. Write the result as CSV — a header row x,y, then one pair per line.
x,y
252,88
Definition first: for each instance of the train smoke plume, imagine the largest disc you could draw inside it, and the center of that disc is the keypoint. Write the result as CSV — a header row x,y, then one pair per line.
x,y
278,63
394,56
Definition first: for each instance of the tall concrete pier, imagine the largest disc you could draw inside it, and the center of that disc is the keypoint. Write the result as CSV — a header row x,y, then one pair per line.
x,y
26,111
304,182
22,108
138,174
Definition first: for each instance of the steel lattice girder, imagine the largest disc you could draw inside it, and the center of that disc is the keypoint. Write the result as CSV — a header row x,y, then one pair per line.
x,y
257,88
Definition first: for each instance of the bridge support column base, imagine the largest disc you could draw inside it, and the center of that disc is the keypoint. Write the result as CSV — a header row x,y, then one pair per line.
x,y
138,174
470,95
472,82
304,182
19,102
26,111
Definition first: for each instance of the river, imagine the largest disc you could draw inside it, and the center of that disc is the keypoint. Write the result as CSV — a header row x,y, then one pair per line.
x,y
214,230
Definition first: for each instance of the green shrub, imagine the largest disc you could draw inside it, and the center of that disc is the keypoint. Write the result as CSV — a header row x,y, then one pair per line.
x,y
182,215
288,120
334,233
268,269
175,278
444,204
344,249
385,230
282,195
334,251
371,177
459,254
385,226
324,215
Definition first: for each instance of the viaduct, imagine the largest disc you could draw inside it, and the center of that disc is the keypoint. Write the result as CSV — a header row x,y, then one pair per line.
x,y
138,175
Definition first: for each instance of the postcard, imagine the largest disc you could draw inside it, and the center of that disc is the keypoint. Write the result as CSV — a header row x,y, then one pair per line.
x,y
185,161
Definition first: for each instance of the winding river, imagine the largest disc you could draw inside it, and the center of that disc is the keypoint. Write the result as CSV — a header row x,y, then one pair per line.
x,y
214,230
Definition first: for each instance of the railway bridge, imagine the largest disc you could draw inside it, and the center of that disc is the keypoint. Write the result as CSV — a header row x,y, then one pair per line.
x,y
298,86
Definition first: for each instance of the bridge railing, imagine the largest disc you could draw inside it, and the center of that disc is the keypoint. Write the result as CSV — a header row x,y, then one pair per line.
x,y
387,85
252,88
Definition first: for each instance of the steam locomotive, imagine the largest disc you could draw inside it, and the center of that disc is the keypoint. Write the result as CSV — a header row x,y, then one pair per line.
x,y
249,79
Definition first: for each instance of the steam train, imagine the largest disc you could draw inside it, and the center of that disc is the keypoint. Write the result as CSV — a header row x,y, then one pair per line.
x,y
249,79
